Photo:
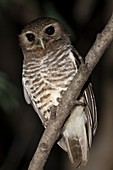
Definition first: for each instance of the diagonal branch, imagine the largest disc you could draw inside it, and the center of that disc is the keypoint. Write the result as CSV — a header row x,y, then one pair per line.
x,y
51,133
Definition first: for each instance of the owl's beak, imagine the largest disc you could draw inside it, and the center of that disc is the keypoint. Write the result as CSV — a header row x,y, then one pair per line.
x,y
41,42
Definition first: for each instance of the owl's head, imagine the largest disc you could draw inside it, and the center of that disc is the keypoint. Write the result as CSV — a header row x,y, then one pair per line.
x,y
41,33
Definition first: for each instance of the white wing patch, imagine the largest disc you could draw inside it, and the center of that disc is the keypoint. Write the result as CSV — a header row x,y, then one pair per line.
x,y
26,95
71,56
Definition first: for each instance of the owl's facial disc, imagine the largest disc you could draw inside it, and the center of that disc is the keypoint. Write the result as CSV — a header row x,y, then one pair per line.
x,y
40,39
40,35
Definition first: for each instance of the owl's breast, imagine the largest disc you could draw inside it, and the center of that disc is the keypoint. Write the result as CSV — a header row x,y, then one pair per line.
x,y
46,81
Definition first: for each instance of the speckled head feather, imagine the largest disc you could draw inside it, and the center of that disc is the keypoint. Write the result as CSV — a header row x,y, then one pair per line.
x,y
40,23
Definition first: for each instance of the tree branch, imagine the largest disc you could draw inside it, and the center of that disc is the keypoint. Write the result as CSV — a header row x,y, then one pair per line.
x,y
51,133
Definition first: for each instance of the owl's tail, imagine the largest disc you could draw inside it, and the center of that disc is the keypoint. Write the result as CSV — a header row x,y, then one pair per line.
x,y
77,148
77,151
75,140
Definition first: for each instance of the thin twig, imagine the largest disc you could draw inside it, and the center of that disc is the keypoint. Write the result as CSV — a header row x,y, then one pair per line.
x,y
51,133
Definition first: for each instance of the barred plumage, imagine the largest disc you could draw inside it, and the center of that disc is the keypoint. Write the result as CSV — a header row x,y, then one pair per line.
x,y
49,67
46,79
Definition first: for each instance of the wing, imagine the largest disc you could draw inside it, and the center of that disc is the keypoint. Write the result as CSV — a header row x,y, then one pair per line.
x,y
80,126
29,98
90,111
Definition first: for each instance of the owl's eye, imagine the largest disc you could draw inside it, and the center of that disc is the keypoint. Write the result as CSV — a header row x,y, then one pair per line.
x,y
50,30
30,37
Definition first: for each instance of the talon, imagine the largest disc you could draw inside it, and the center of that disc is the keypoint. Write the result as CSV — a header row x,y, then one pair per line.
x,y
80,103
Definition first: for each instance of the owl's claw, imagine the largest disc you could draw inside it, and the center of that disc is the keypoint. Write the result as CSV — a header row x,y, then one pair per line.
x,y
80,103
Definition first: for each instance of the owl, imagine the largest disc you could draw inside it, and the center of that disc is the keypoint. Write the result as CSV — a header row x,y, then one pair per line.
x,y
50,64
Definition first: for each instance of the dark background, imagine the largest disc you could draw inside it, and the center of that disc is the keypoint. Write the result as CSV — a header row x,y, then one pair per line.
x,y
20,127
